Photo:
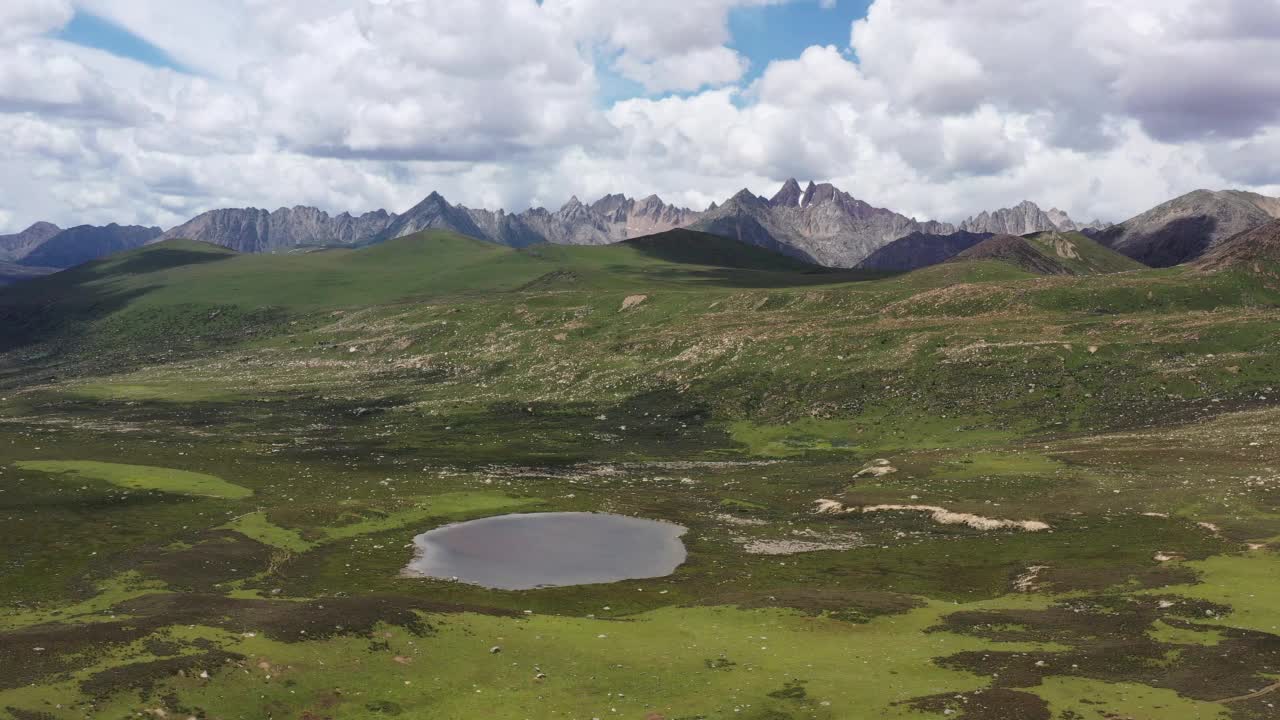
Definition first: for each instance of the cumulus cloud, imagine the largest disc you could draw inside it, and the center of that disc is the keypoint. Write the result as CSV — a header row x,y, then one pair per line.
x,y
661,44
935,108
23,19
1185,69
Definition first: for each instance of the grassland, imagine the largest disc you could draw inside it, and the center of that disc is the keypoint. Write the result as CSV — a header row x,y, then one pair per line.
x,y
344,401
140,477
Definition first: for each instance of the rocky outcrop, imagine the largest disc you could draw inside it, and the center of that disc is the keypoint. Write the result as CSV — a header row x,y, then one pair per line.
x,y
257,231
1024,219
1189,226
822,224
87,242
611,219
647,216
19,245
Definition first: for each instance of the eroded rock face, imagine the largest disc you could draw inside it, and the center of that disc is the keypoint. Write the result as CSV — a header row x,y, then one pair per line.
x,y
611,219
18,245
1024,219
254,230
823,224
819,223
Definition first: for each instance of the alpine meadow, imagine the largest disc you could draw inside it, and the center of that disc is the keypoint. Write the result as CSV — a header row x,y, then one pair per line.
x,y
791,456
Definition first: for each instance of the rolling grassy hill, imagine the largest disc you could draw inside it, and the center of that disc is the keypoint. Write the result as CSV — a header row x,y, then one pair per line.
x,y
1050,253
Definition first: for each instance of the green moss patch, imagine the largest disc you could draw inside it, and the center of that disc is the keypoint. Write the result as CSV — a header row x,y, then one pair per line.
x,y
142,477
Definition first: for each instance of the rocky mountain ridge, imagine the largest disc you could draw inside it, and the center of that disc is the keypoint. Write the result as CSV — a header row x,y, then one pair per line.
x,y
821,224
18,245
83,243
255,230
818,223
1026,218
1190,226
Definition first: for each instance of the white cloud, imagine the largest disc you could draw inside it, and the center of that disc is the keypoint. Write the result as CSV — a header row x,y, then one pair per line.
x,y
939,108
23,19
661,44
686,71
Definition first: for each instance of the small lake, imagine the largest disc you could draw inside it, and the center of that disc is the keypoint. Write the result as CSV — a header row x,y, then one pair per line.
x,y
532,550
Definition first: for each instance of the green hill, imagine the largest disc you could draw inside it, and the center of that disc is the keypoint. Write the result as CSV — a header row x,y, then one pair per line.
x,y
1080,254
181,274
1050,253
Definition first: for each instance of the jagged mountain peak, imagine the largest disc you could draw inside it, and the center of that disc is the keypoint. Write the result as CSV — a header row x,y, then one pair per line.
x,y
821,193
1022,219
790,194
822,224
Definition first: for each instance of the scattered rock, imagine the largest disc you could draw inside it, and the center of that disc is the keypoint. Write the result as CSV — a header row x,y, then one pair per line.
x,y
1026,582
632,301
877,468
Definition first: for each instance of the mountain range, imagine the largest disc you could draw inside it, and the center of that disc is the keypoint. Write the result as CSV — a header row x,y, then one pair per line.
x,y
818,223
1024,219
44,248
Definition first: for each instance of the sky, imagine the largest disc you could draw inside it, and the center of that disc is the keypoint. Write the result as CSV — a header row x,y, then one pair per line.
x,y
152,111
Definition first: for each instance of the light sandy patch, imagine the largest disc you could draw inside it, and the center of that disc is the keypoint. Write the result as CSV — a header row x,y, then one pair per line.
x,y
1065,248
940,515
943,516
632,301
830,507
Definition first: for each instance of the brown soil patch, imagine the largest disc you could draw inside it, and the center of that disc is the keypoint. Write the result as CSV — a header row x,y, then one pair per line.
x,y
993,704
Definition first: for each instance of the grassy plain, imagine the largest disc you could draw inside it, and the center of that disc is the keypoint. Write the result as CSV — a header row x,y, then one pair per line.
x,y
211,468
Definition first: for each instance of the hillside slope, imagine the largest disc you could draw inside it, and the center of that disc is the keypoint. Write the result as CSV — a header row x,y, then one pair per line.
x,y
919,250
12,272
428,264
1050,253
1187,227
1255,251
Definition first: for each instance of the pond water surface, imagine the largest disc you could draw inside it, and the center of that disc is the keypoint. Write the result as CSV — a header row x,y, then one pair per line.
x,y
532,550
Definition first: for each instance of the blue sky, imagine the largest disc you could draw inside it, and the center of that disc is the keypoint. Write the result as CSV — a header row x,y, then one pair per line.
x,y
99,33
772,32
